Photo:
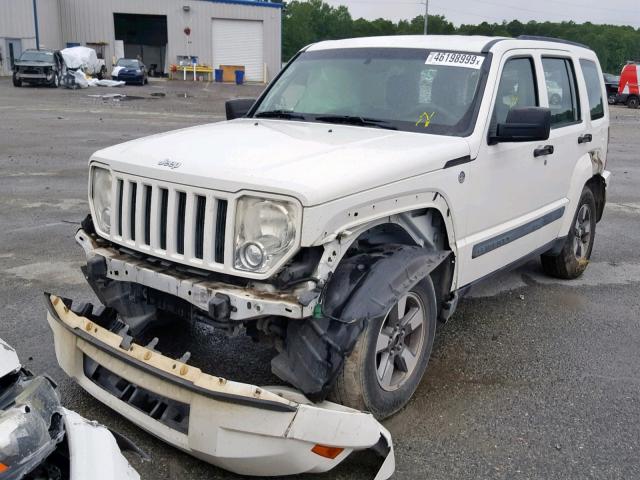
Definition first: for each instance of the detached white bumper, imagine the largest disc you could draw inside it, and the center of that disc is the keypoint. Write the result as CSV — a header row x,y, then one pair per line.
x,y
242,428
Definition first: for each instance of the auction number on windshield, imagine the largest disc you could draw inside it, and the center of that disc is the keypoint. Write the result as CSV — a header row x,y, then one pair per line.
x,y
467,60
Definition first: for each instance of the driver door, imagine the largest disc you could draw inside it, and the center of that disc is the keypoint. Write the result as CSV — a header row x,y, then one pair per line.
x,y
512,210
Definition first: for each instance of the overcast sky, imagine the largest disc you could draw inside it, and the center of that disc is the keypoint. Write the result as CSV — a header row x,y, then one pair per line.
x,y
618,12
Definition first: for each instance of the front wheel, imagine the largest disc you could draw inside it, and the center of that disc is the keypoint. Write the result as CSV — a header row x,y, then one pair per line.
x,y
633,102
576,251
16,81
391,355
612,99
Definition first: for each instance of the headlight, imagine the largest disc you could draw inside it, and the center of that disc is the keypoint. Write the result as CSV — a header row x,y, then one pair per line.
x,y
101,197
265,232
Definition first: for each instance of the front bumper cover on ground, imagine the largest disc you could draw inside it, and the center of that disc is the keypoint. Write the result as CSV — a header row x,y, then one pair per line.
x,y
242,428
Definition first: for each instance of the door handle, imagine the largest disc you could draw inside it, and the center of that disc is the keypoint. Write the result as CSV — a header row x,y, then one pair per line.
x,y
546,150
586,138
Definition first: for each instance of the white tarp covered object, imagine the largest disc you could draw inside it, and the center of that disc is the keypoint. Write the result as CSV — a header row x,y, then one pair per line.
x,y
83,58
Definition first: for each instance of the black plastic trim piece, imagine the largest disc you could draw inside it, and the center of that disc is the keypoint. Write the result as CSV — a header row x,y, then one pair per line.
x,y
552,40
553,247
151,370
512,235
491,43
220,234
172,413
458,161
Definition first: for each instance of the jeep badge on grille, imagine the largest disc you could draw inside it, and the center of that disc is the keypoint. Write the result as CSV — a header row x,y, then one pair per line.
x,y
169,163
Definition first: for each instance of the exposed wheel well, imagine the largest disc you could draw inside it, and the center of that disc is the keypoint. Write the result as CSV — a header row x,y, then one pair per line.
x,y
424,227
599,189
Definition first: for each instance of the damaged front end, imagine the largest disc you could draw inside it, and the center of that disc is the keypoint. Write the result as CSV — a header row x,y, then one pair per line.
x,y
243,428
39,439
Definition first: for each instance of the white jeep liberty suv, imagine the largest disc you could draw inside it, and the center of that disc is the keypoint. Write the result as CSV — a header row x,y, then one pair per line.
x,y
344,213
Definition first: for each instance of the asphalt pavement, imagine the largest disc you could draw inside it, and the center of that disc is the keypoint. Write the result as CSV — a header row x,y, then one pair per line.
x,y
533,378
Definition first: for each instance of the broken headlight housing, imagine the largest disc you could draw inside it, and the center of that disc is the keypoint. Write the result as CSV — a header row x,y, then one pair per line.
x,y
101,197
265,232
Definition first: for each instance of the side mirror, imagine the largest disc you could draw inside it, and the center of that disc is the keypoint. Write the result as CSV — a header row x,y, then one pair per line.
x,y
525,124
239,107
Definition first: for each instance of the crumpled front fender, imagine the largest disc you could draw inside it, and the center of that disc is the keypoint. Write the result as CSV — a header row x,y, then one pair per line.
x,y
363,287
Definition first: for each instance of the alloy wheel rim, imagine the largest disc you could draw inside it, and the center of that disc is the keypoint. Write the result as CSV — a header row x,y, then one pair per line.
x,y
582,233
400,342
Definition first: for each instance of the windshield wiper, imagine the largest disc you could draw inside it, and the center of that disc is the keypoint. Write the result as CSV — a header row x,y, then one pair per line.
x,y
356,120
286,114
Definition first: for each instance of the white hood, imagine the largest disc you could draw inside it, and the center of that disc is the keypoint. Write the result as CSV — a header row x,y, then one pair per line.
x,y
314,162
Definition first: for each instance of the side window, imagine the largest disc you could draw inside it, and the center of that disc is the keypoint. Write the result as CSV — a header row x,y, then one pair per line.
x,y
594,88
560,79
517,88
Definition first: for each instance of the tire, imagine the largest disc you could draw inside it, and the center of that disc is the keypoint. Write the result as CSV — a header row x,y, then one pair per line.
x,y
16,81
359,386
576,251
633,102
612,99
55,81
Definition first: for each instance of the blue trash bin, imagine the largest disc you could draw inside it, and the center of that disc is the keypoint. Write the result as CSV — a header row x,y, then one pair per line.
x,y
218,75
239,77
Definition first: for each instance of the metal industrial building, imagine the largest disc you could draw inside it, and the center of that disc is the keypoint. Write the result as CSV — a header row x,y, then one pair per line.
x,y
161,32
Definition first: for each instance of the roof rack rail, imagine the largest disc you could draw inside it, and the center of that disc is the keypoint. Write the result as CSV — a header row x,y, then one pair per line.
x,y
553,39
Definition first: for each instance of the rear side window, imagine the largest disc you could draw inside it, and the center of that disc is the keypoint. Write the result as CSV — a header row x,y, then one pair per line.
x,y
594,88
517,89
560,79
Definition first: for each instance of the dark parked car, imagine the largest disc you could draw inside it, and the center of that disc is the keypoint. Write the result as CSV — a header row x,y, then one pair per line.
x,y
42,67
611,82
130,70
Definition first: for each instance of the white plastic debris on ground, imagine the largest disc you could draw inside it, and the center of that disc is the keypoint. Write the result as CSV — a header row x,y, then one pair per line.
x,y
94,82
77,79
81,79
83,58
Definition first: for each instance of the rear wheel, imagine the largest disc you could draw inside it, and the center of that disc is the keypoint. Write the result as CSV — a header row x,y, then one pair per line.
x,y
391,355
576,251
633,102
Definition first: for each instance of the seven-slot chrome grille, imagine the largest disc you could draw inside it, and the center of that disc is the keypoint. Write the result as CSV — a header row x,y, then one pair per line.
x,y
185,224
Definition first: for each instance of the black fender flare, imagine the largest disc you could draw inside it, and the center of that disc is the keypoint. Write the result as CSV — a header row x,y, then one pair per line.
x,y
363,287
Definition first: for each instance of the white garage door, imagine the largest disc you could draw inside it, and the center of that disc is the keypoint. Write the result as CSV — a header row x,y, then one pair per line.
x,y
239,42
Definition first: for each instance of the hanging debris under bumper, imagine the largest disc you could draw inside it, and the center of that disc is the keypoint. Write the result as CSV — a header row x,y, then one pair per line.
x,y
246,429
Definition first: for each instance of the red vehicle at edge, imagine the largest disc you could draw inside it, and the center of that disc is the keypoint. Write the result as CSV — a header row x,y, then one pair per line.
x,y
628,90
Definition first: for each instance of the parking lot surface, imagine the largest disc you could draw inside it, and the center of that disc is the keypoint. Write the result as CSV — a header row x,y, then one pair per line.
x,y
532,378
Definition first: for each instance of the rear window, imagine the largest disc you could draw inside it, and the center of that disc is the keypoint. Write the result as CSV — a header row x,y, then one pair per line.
x,y
561,89
594,88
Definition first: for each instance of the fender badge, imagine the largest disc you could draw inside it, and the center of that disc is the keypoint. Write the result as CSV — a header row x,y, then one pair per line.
x,y
461,177
169,163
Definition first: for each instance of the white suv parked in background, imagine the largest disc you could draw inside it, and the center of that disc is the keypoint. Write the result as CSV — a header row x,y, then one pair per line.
x,y
345,212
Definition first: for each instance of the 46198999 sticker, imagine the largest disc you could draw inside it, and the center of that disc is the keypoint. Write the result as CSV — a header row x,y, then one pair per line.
x,y
455,59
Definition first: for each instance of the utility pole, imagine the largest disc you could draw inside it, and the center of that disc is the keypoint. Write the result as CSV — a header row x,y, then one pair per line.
x,y
35,20
426,16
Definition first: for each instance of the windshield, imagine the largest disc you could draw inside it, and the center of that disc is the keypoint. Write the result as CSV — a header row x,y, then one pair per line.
x,y
36,56
406,89
128,63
